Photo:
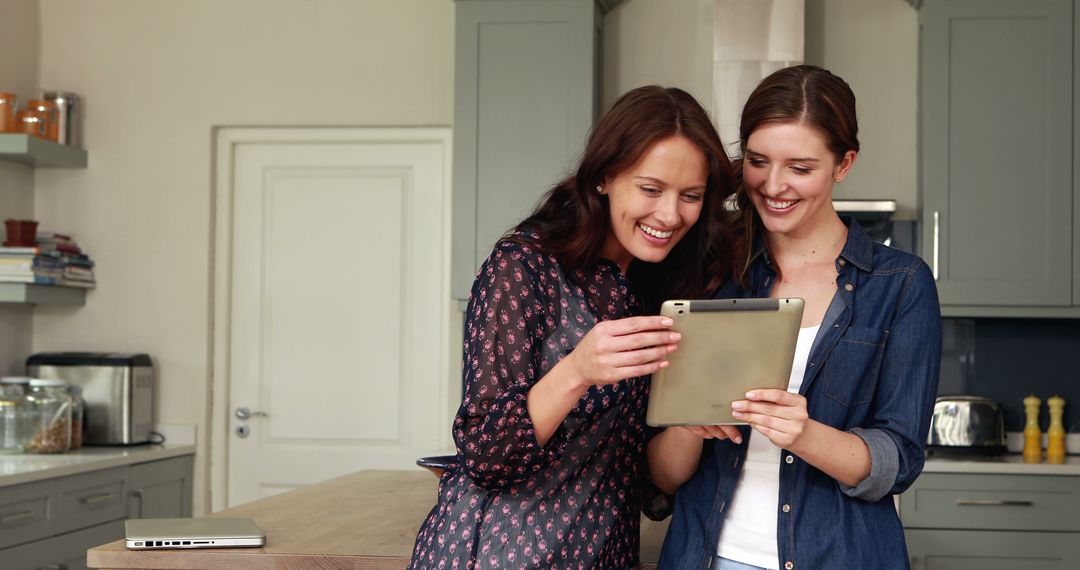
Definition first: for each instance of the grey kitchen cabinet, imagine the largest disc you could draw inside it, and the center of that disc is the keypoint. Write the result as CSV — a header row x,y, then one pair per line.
x,y
998,140
51,523
958,521
161,489
526,93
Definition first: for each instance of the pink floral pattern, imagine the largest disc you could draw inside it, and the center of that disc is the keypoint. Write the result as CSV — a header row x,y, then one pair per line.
x,y
510,503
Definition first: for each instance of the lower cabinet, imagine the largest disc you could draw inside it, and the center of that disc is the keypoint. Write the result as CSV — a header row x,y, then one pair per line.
x,y
992,550
50,524
960,521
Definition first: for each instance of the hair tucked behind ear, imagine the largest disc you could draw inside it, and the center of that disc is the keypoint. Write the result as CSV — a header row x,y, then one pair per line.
x,y
573,220
802,94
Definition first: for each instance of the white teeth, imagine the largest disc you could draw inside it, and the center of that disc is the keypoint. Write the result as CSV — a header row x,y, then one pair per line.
x,y
780,204
655,233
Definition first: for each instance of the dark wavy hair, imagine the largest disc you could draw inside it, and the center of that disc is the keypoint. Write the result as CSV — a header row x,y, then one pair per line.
x,y
573,220
803,94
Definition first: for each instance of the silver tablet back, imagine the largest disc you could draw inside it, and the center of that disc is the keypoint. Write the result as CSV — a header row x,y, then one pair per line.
x,y
728,347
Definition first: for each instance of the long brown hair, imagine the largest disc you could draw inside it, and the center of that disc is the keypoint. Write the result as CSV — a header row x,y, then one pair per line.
x,y
800,94
573,220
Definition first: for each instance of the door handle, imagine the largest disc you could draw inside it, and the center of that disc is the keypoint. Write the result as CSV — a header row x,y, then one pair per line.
x,y
17,517
961,502
243,413
937,235
91,500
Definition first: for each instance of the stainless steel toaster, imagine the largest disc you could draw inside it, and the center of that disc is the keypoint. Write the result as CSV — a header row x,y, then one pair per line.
x,y
969,425
118,390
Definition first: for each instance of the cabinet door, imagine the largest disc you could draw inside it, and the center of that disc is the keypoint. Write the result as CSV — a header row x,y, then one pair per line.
x,y
990,550
996,89
161,489
64,552
525,93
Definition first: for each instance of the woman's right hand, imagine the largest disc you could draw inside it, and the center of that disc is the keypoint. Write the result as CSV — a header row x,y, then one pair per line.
x,y
715,432
623,348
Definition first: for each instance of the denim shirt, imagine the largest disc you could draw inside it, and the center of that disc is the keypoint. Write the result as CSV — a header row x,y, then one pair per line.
x,y
872,371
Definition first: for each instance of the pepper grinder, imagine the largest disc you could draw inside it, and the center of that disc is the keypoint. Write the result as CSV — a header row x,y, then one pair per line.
x,y
1055,436
1032,445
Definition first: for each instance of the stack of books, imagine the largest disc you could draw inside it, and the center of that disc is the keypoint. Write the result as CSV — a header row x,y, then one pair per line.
x,y
55,260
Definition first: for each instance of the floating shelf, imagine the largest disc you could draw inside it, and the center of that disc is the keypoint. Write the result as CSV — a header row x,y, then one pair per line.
x,y
39,153
41,294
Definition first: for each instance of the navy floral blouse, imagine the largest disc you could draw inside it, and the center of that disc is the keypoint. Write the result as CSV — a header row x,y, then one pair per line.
x,y
510,503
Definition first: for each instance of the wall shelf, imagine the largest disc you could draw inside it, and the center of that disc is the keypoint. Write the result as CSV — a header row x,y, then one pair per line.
x,y
39,153
41,294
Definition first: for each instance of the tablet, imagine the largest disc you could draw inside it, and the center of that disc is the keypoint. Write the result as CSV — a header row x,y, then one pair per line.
x,y
728,347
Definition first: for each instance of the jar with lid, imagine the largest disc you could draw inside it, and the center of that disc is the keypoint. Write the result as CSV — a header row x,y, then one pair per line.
x,y
14,414
49,113
50,405
30,122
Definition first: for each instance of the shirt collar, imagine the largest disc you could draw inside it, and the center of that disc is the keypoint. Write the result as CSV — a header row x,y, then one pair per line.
x,y
858,249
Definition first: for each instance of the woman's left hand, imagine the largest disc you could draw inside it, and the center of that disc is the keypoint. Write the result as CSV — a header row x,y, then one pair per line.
x,y
776,414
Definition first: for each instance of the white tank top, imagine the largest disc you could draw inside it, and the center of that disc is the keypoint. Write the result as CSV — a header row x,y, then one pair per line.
x,y
749,534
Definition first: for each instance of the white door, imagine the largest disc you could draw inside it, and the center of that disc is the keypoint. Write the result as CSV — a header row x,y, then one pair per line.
x,y
335,302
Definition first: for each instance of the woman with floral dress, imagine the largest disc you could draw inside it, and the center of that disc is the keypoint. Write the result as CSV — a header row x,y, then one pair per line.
x,y
550,469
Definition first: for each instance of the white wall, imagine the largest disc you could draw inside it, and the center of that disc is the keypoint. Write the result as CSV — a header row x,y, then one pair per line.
x,y
156,78
18,75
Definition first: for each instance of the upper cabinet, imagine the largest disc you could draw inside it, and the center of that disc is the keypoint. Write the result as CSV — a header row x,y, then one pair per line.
x,y
998,141
526,92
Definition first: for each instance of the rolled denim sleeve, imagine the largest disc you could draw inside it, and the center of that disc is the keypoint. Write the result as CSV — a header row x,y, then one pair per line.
x,y
906,389
884,466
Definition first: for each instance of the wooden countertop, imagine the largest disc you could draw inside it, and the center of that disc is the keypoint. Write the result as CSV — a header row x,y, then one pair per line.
x,y
364,520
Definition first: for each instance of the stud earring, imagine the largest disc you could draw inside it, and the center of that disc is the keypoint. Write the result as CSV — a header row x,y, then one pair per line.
x,y
599,189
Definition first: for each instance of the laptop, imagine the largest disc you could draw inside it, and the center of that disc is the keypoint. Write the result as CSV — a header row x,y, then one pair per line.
x,y
728,347
206,532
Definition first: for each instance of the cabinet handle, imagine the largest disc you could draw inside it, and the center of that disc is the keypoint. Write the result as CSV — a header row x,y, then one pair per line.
x,y
992,503
17,517
137,494
91,500
937,234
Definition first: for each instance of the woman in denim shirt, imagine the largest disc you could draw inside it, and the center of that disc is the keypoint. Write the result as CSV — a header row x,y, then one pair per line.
x,y
811,485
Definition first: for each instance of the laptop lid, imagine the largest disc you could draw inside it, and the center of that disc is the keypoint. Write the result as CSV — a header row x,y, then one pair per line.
x,y
205,532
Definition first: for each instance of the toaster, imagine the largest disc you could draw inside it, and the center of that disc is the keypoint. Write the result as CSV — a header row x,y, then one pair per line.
x,y
117,389
969,425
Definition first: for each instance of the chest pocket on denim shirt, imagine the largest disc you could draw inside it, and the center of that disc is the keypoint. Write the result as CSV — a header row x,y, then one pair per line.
x,y
851,370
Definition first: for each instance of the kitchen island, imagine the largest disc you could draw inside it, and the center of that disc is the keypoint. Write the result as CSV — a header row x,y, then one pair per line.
x,y
364,520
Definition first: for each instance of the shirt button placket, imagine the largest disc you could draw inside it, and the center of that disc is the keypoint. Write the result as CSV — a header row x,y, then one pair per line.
x,y
786,508
849,287
789,459
789,565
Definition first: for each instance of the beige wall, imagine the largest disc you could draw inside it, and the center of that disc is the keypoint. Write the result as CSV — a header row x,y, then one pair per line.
x,y
157,77
18,75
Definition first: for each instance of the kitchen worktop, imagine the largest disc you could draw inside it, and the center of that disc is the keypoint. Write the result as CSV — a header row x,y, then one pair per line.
x,y
1008,464
364,520
28,467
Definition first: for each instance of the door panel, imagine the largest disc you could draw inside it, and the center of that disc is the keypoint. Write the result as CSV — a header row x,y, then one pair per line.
x,y
337,308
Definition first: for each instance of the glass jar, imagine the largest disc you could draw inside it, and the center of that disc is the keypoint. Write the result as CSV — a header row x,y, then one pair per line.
x,y
7,112
49,113
30,122
50,406
78,416
14,414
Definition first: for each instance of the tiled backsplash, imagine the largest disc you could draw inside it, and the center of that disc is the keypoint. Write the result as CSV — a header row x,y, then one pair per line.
x,y
1008,359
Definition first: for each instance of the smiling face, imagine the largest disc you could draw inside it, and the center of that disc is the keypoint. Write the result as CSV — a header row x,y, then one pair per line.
x,y
655,201
789,173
